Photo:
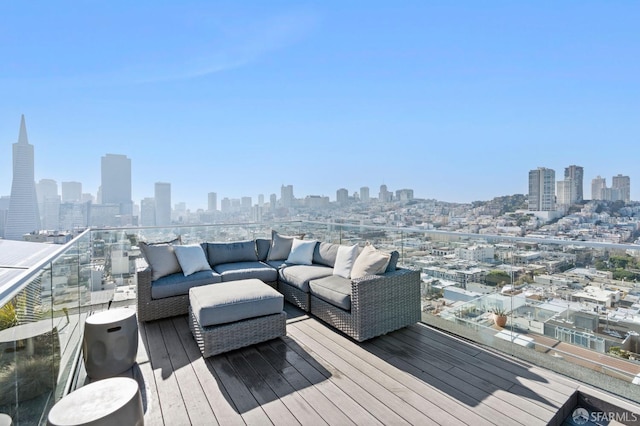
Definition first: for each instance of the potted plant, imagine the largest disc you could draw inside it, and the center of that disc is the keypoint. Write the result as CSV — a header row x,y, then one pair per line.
x,y
499,316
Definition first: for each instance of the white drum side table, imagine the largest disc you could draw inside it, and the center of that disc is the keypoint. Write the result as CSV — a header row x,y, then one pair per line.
x,y
110,342
113,401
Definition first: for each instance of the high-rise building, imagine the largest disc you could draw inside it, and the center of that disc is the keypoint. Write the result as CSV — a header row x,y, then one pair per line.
x,y
256,213
623,185
342,196
576,174
542,189
212,204
598,185
148,212
272,201
286,195
316,201
261,200
564,192
23,216
4,208
115,185
75,216
364,194
384,195
71,192
87,197
225,205
404,194
48,203
46,188
163,203
246,203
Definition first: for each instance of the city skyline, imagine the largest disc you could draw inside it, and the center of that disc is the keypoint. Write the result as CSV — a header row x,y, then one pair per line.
x,y
116,186
456,101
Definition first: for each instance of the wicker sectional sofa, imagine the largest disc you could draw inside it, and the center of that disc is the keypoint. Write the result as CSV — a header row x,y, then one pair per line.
x,y
362,307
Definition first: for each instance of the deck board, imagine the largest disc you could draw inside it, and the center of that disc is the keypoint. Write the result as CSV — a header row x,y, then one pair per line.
x,y
316,375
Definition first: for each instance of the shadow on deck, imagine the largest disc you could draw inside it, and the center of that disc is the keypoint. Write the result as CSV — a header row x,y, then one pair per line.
x,y
316,375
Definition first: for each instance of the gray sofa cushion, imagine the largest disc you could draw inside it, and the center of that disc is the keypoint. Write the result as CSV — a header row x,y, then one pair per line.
x,y
325,254
262,247
234,301
161,258
333,289
276,264
177,284
245,270
280,246
299,275
393,262
237,251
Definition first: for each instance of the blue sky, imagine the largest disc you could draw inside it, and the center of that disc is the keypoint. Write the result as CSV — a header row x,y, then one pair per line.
x,y
456,100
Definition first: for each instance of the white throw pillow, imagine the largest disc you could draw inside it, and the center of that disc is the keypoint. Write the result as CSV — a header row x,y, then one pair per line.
x,y
301,252
192,259
370,262
344,260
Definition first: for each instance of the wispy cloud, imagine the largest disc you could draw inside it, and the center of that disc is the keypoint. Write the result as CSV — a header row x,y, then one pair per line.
x,y
140,48
227,46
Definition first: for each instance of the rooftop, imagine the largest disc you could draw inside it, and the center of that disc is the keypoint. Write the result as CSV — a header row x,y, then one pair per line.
x,y
315,375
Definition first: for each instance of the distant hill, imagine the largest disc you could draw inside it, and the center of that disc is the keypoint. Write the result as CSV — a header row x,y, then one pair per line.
x,y
504,204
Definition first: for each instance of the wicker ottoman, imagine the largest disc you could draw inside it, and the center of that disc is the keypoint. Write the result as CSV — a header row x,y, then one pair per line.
x,y
236,314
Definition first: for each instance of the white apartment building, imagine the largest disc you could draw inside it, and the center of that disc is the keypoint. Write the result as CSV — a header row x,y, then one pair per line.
x,y
542,189
478,253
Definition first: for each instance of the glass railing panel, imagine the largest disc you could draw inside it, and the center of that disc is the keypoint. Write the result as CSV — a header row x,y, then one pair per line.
x,y
40,334
465,279
564,309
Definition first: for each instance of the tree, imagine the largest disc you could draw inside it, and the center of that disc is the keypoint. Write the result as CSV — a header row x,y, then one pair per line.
x,y
497,278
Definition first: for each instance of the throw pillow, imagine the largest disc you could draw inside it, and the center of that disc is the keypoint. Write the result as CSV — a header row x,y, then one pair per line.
x,y
301,252
161,258
280,246
370,262
191,259
344,260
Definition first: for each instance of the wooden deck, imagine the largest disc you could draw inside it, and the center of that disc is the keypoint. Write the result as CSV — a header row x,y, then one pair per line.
x,y
316,376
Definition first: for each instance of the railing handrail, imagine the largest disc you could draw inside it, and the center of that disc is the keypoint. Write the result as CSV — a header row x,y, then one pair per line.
x,y
489,237
16,284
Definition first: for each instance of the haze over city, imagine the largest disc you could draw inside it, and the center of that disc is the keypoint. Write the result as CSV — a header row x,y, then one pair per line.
x,y
456,101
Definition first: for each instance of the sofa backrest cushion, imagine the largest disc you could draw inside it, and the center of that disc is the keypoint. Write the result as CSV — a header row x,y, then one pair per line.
x,y
325,254
238,251
370,262
280,246
393,262
161,258
262,247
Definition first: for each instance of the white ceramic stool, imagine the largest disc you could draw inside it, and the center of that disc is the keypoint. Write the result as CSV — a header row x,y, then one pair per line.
x,y
108,402
110,342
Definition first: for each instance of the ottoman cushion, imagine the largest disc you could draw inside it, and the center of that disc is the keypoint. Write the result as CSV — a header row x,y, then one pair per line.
x,y
234,301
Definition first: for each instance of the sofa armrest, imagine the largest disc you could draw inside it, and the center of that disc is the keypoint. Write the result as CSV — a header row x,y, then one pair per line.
x,y
388,301
143,272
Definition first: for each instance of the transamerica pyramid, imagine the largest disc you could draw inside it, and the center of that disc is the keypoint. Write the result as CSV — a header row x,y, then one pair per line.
x,y
23,216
